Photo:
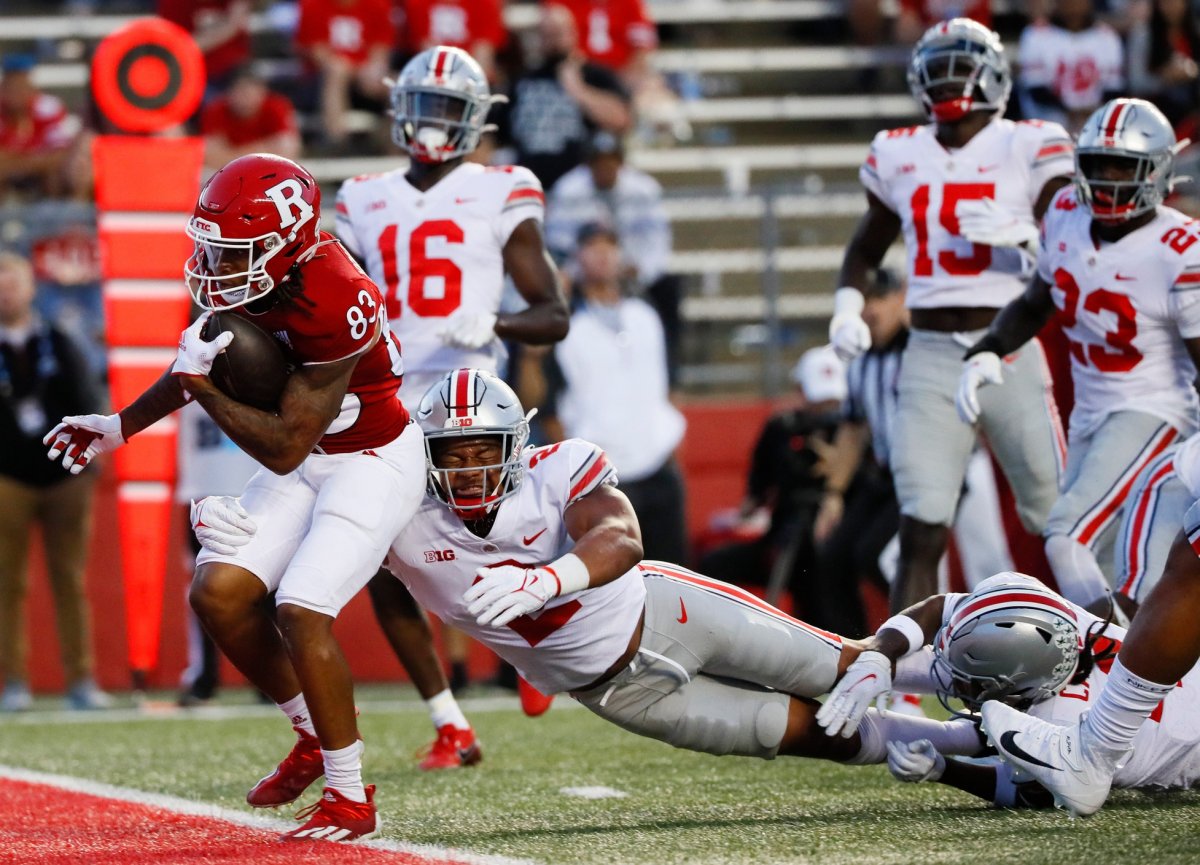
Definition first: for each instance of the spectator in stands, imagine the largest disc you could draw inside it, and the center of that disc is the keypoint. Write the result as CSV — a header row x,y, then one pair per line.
x,y
347,43
556,107
1163,56
37,134
916,16
607,190
787,478
476,26
859,514
1069,65
248,118
608,383
222,30
620,35
42,377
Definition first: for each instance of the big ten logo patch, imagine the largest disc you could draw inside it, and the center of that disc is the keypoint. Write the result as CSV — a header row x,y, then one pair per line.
x,y
439,555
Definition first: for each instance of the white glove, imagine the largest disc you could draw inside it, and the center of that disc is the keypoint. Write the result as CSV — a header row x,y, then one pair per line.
x,y
196,355
915,762
221,524
865,681
982,220
848,333
80,438
508,591
978,370
469,329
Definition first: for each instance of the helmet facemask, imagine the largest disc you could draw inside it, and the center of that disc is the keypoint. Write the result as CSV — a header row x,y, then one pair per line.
x,y
1138,190
436,125
213,289
957,68
500,480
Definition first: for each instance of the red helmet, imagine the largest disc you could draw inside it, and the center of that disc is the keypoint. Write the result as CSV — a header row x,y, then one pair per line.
x,y
255,218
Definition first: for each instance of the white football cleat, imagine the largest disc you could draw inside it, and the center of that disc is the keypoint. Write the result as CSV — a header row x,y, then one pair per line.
x,y
1050,755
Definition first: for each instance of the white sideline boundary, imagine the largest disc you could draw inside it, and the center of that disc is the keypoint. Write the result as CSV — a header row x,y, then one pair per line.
x,y
241,818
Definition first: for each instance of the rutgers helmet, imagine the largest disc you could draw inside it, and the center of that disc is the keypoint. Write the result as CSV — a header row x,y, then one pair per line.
x,y
1133,132
440,104
254,219
469,403
1012,639
958,67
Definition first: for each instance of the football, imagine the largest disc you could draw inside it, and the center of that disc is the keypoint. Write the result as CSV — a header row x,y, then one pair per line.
x,y
252,369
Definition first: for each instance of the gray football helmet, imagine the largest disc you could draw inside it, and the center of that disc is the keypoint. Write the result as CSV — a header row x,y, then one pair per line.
x,y
957,67
1135,132
1012,639
440,103
469,403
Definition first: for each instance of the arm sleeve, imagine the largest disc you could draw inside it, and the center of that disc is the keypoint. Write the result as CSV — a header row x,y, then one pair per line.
x,y
869,174
525,200
1185,301
589,469
1053,156
342,225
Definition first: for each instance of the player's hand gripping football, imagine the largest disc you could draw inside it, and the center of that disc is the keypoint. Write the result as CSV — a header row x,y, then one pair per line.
x,y
915,762
221,524
984,221
469,329
508,591
978,370
82,437
865,681
196,354
848,333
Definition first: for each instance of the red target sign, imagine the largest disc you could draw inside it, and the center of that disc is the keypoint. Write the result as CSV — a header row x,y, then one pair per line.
x,y
148,76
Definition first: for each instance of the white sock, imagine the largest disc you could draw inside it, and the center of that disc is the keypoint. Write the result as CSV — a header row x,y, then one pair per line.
x,y
1076,570
443,709
1121,709
297,712
343,771
957,736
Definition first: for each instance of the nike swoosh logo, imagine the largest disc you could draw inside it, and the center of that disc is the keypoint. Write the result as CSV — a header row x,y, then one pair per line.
x,y
1008,741
529,540
984,169
463,200
682,613
1125,278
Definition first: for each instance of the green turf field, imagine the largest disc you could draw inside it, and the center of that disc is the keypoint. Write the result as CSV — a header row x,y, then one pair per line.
x,y
680,807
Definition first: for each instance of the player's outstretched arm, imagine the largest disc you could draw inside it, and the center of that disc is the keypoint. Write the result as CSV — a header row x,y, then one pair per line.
x,y
876,231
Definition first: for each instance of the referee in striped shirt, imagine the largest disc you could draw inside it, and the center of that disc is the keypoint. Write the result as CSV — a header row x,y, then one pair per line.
x,y
859,513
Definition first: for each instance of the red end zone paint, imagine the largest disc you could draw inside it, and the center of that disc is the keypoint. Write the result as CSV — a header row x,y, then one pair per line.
x,y
51,826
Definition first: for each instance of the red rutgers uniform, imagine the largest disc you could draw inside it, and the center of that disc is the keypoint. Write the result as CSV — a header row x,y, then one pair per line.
x,y
339,314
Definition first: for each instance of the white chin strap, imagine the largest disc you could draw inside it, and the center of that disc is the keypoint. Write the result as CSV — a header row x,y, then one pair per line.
x,y
431,138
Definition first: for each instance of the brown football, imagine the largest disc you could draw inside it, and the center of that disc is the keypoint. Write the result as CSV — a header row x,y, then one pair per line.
x,y
252,369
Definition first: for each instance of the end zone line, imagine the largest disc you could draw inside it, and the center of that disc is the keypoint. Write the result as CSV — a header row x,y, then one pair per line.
x,y
209,810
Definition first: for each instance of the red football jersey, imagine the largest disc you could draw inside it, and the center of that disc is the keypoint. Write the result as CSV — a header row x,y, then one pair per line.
x,y
341,313
349,27
275,116
611,30
932,11
457,23
50,127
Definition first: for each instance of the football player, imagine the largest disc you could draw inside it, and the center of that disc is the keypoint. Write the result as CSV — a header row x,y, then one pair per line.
x,y
966,190
536,553
1015,641
439,237
1122,271
342,467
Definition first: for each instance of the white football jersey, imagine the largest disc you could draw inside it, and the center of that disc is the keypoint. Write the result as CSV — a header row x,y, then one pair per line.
x,y
438,252
1077,67
575,638
1126,308
1166,750
923,183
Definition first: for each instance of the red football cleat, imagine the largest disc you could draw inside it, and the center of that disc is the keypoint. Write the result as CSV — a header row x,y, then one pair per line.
x,y
333,817
303,765
533,701
453,747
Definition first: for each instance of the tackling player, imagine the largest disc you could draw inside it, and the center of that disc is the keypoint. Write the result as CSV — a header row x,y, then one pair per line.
x,y
966,190
534,552
1122,271
439,237
343,467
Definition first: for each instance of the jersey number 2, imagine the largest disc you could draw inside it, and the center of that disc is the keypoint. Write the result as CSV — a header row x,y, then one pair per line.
x,y
981,256
422,269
